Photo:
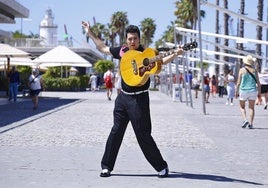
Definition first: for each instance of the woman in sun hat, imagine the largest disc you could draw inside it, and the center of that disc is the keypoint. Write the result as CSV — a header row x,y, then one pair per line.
x,y
248,88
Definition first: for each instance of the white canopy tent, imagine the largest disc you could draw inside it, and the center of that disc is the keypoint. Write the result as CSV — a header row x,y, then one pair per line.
x,y
11,55
61,56
17,61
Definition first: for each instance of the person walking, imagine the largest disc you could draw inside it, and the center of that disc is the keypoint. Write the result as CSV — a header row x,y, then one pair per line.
x,y
213,85
230,80
36,85
131,105
221,80
206,87
14,80
108,79
93,82
196,85
118,82
263,77
248,88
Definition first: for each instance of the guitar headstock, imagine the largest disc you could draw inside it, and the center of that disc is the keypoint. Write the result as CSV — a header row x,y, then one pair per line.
x,y
189,46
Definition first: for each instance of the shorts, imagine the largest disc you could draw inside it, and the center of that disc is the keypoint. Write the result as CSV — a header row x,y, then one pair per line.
x,y
243,96
35,92
207,88
196,86
264,89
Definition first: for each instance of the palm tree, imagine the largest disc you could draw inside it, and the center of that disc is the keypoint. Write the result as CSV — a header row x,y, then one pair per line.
x,y
259,33
186,13
98,29
226,32
110,35
148,28
217,40
119,21
241,27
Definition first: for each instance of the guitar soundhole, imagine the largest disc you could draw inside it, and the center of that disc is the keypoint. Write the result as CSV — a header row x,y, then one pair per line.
x,y
146,62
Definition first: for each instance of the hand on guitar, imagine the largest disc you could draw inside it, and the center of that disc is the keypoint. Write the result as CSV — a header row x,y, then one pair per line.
x,y
173,55
179,51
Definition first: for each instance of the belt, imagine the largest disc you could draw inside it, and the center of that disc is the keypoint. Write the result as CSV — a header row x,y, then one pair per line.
x,y
134,93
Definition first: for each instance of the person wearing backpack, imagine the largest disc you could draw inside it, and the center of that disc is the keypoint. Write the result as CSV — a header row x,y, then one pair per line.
x,y
108,79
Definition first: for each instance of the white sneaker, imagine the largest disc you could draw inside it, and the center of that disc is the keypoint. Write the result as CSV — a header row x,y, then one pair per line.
x,y
163,173
226,103
232,104
105,173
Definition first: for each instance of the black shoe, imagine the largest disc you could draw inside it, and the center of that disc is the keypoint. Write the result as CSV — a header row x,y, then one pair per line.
x,y
105,173
163,173
265,107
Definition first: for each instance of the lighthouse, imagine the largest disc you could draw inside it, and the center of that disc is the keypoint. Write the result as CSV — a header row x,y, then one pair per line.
x,y
48,30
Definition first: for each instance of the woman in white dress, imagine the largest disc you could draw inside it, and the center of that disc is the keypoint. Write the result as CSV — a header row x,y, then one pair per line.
x,y
118,82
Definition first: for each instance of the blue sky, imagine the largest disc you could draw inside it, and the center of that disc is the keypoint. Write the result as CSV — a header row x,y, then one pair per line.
x,y
72,13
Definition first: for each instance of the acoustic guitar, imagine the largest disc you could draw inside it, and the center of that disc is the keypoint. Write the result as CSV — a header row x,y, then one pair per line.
x,y
136,67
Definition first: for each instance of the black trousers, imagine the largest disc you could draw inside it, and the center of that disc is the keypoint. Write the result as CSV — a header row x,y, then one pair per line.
x,y
221,90
136,109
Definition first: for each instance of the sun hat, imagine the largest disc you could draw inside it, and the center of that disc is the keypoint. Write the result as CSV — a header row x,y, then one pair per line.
x,y
249,60
36,70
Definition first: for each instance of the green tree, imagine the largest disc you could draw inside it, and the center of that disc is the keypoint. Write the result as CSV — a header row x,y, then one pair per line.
x,y
98,30
259,33
186,13
119,21
18,34
148,28
226,32
217,40
102,66
240,33
110,35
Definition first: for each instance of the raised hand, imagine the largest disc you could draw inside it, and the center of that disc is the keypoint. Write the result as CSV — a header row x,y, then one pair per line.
x,y
86,27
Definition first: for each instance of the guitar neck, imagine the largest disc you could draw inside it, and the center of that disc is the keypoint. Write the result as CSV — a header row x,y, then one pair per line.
x,y
185,47
161,56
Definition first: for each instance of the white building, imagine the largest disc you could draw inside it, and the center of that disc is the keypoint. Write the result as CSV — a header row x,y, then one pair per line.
x,y
48,30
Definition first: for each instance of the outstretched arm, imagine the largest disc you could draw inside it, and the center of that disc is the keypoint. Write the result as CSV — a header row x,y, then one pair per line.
x,y
170,58
98,42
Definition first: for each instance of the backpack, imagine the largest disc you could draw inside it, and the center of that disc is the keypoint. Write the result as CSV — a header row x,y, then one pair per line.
x,y
108,81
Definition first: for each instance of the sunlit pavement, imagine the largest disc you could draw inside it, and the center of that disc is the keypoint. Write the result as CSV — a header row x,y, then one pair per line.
x,y
61,143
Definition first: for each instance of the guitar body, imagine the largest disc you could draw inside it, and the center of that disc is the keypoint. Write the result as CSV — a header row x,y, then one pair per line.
x,y
135,66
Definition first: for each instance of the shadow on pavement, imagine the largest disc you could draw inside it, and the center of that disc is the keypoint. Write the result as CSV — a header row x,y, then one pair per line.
x,y
209,177
15,112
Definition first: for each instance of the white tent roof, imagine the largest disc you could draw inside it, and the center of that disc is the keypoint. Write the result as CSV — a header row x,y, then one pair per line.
x,y
61,56
9,51
17,61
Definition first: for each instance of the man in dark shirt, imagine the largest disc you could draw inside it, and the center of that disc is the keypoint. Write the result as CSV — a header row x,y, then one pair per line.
x,y
132,104
14,80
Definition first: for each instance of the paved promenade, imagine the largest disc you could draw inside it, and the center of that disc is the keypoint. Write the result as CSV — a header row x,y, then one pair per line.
x,y
60,144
